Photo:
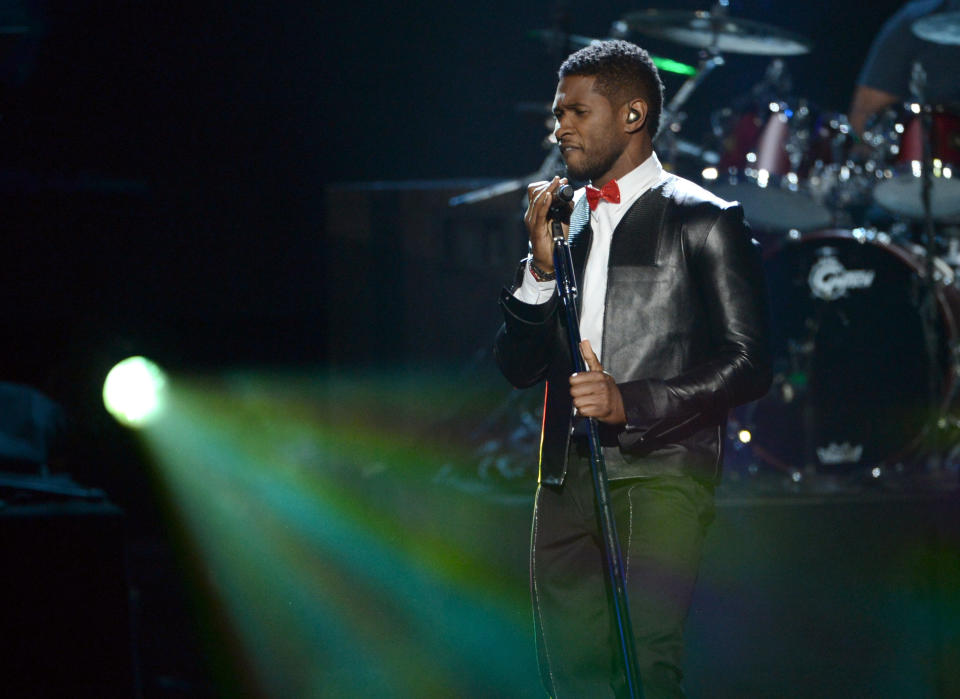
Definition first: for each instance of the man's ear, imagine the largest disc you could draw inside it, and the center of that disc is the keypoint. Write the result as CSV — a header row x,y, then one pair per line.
x,y
635,116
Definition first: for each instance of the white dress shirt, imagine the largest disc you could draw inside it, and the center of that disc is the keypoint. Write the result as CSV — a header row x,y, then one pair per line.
x,y
603,221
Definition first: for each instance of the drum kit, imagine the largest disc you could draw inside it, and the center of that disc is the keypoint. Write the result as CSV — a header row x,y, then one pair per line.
x,y
861,238
861,257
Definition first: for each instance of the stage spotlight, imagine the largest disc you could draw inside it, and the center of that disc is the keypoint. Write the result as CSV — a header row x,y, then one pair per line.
x,y
744,436
134,392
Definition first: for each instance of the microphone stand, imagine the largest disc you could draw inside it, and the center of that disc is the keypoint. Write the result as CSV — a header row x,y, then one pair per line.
x,y
613,557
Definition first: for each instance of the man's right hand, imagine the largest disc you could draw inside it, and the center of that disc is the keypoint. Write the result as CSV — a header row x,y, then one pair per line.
x,y
540,196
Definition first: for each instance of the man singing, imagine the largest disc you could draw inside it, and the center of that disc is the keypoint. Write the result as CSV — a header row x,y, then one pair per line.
x,y
673,318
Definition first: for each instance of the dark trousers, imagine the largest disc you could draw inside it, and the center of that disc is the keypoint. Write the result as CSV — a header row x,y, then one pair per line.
x,y
661,523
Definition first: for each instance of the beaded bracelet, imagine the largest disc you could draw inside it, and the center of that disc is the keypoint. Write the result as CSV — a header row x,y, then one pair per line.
x,y
539,274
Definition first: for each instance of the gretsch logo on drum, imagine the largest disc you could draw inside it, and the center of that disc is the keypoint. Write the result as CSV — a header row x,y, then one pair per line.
x,y
845,453
830,280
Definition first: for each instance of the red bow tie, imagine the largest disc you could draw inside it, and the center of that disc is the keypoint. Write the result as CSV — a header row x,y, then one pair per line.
x,y
610,192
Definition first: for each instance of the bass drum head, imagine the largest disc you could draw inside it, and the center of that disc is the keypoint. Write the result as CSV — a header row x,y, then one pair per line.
x,y
850,362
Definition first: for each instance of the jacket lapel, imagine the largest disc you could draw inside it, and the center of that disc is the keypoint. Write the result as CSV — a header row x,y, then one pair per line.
x,y
637,238
579,236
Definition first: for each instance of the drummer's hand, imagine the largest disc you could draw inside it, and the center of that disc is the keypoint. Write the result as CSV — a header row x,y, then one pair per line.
x,y
594,392
540,196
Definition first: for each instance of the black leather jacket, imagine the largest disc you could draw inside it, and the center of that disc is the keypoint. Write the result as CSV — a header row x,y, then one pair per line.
x,y
684,335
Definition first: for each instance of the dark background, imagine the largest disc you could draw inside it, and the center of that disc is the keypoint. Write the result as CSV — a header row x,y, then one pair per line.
x,y
164,164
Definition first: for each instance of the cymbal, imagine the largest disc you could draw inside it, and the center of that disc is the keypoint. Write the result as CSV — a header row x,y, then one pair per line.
x,y
704,30
941,28
552,36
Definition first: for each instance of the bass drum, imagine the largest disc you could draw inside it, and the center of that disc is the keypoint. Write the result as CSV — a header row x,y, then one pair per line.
x,y
850,359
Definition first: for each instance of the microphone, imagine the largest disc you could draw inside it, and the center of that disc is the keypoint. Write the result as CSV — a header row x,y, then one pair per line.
x,y
560,209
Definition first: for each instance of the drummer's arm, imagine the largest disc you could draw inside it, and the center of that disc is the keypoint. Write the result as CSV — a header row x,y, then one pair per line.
x,y
866,102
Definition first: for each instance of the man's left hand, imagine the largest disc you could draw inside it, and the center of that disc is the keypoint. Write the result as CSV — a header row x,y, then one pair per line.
x,y
594,392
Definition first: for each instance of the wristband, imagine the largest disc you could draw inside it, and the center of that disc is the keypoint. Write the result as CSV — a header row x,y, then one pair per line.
x,y
539,274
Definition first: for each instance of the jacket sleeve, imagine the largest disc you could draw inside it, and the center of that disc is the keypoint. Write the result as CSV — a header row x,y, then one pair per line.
x,y
525,343
729,276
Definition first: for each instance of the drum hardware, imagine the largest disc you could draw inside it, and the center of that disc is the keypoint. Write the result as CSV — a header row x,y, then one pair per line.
x,y
943,272
951,255
918,84
842,171
764,164
841,187
791,165
672,118
901,140
551,165
923,156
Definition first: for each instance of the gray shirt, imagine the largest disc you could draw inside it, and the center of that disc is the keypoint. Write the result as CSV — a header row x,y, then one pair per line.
x,y
889,63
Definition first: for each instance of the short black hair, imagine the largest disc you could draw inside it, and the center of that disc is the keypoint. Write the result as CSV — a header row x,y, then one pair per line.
x,y
624,71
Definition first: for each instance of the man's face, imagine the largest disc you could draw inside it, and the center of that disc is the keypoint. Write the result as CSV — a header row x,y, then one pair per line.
x,y
588,129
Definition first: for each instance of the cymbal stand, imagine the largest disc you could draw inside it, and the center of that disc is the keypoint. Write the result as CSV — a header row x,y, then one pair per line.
x,y
672,117
665,140
929,307
548,168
